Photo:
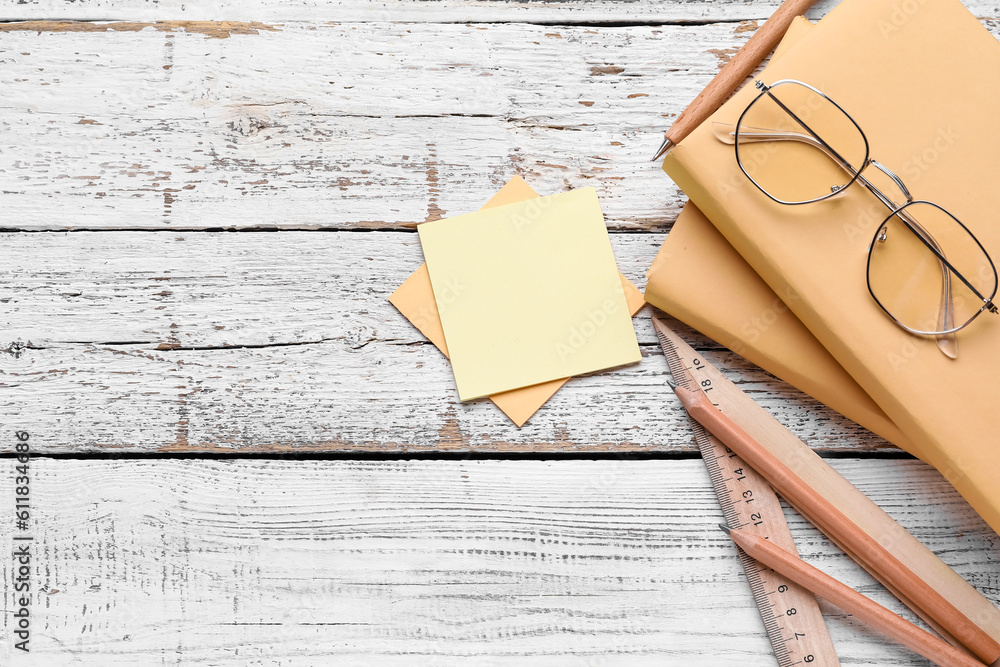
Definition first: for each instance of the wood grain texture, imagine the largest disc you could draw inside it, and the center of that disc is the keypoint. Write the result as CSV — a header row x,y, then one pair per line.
x,y
340,396
338,126
217,289
209,341
435,562
397,112
446,11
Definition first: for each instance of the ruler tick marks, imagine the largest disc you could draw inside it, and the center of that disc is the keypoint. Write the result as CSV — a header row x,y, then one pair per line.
x,y
748,502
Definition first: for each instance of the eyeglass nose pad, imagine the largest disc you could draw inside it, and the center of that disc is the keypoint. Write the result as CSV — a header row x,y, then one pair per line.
x,y
882,235
724,132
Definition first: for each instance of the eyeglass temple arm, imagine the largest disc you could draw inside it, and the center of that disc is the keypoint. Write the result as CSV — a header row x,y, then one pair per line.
x,y
726,132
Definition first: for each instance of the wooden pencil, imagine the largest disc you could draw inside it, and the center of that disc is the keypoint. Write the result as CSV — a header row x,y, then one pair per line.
x,y
867,610
838,526
734,72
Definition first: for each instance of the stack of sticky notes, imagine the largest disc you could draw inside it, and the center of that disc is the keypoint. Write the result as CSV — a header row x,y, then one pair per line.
x,y
521,295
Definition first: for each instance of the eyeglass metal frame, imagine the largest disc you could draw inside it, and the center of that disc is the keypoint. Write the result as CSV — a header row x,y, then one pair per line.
x,y
895,210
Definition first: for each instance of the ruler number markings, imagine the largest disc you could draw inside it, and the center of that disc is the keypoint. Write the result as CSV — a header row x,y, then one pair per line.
x,y
706,384
739,476
747,501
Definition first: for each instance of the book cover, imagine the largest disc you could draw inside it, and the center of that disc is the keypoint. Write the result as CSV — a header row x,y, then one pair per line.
x,y
920,80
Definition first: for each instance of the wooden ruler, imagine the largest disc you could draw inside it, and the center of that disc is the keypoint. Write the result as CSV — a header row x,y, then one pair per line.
x,y
792,618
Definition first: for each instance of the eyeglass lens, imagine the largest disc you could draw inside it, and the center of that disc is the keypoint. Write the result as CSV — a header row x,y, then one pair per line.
x,y
794,143
912,283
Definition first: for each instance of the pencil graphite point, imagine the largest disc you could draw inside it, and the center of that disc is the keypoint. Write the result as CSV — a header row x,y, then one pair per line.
x,y
664,148
733,73
673,387
726,528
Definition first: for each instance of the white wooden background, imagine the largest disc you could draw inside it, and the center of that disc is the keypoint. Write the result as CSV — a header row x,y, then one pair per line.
x,y
225,416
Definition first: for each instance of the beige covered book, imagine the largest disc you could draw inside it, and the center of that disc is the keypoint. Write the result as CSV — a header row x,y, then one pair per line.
x,y
922,85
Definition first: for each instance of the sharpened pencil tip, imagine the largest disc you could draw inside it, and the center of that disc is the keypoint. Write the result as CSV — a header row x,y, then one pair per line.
x,y
664,147
725,528
673,387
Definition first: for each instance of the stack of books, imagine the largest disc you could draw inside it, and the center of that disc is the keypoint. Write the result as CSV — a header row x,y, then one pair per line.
x,y
786,286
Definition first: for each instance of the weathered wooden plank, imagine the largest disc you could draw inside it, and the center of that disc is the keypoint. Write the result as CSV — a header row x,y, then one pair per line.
x,y
199,290
527,11
286,341
340,395
315,125
434,562
339,126
448,11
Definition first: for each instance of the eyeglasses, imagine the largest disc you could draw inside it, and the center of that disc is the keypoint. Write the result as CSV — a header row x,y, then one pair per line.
x,y
925,269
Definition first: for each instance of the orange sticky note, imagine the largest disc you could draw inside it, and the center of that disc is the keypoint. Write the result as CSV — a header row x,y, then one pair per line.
x,y
415,300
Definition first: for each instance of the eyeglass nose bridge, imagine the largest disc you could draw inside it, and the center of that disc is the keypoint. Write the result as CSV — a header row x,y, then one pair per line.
x,y
881,236
892,175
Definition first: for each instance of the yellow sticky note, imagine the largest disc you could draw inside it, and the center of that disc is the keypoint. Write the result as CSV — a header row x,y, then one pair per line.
x,y
415,300
502,331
